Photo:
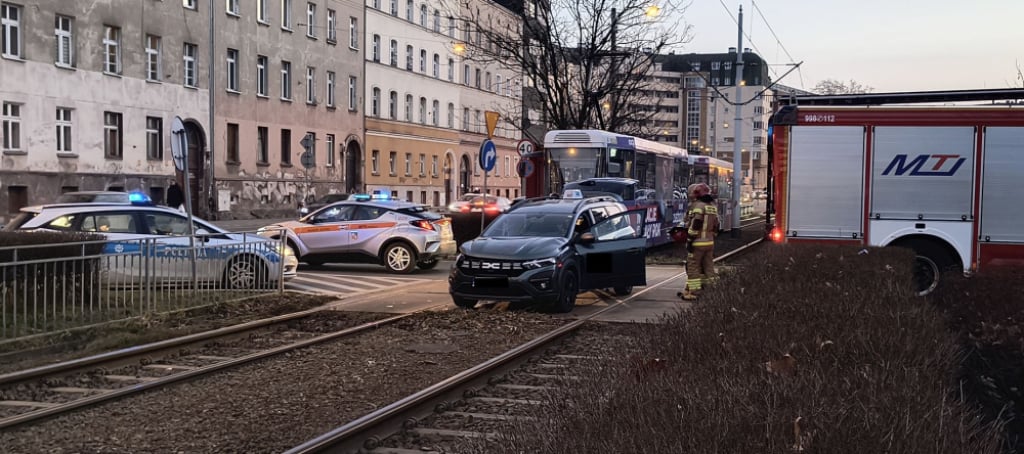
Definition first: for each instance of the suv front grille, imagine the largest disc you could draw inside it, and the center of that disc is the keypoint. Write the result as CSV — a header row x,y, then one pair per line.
x,y
491,267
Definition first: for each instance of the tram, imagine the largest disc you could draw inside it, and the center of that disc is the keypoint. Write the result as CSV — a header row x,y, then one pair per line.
x,y
647,175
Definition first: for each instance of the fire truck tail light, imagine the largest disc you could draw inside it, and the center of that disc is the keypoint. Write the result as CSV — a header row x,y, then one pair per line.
x,y
776,235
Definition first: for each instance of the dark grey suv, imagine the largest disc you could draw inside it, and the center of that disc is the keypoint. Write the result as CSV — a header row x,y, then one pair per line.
x,y
546,251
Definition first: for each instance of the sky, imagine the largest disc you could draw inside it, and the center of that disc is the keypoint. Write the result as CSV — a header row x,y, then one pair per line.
x,y
889,45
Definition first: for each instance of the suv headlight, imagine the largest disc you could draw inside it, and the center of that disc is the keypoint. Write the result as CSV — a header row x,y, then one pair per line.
x,y
539,263
285,250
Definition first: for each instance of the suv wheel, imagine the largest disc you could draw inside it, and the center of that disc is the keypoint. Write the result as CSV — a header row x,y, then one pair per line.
x,y
569,287
399,258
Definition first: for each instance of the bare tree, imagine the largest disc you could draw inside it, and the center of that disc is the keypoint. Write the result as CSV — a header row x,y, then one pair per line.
x,y
837,87
583,62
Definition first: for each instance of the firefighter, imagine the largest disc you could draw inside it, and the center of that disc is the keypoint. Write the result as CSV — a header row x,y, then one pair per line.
x,y
702,225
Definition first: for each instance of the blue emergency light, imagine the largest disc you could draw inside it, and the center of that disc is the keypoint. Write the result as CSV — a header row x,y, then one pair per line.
x,y
139,198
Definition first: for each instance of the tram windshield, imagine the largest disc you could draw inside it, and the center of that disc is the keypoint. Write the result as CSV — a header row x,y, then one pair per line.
x,y
578,163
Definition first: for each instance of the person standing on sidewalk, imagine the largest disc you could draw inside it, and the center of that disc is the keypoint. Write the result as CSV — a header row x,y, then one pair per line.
x,y
175,197
702,225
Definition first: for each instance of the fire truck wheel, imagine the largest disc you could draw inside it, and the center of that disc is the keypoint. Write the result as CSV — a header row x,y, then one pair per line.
x,y
931,261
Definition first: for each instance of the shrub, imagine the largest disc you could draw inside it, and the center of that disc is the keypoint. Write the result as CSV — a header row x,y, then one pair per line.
x,y
805,348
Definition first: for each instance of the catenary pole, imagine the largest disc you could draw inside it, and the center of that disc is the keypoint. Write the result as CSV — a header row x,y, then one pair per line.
x,y
737,154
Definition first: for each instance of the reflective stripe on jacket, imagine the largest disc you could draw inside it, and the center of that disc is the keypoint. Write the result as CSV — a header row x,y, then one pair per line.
x,y
702,222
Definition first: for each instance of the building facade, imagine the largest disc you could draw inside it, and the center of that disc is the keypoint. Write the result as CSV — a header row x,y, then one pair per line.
x,y
426,104
90,90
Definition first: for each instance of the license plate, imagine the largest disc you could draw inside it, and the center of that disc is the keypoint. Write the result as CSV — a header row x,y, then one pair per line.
x,y
490,282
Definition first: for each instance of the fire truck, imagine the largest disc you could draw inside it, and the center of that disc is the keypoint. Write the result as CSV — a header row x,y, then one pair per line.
x,y
944,181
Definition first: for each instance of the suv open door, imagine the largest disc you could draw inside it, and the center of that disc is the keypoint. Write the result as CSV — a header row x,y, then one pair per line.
x,y
614,253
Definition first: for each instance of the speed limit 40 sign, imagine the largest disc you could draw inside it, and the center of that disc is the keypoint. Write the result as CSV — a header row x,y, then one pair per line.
x,y
525,147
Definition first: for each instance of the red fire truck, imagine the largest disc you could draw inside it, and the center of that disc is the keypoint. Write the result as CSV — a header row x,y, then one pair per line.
x,y
945,181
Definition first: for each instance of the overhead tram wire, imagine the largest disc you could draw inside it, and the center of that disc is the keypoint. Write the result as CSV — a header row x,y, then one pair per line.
x,y
777,39
745,34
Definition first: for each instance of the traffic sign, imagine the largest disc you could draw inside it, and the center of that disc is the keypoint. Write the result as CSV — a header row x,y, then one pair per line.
x,y
488,155
308,159
179,144
308,141
525,168
492,121
525,147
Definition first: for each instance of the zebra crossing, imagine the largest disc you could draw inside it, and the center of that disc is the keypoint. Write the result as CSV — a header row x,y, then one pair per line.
x,y
334,283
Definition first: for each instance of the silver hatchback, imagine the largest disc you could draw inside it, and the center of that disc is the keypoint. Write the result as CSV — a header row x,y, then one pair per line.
x,y
398,235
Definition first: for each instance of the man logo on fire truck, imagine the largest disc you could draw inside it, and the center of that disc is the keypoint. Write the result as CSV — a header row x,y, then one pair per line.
x,y
900,165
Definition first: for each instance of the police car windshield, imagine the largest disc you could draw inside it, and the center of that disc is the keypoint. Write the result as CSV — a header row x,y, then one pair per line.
x,y
514,224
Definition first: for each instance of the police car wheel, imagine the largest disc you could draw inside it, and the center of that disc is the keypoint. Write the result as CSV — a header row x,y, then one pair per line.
x,y
399,258
245,273
429,264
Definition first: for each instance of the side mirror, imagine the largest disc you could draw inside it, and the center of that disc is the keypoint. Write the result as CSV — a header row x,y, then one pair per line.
x,y
587,238
203,234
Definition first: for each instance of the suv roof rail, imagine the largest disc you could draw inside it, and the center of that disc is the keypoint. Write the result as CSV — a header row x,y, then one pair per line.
x,y
600,198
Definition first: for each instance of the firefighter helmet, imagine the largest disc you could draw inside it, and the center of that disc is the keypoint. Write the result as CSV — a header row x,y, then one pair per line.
x,y
698,190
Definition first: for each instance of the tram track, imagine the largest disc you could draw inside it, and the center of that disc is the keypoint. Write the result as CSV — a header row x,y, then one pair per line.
x,y
34,394
476,403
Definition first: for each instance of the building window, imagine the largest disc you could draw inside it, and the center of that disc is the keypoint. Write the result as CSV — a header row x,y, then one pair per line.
x,y
408,58
423,111
728,80
332,26
476,121
190,4
477,79
10,25
286,14
437,21
423,164
329,143
433,165
465,118
393,105
112,147
232,70
232,145
189,55
488,85
330,88
155,136
451,70
715,66
408,164
262,146
261,11
231,7
63,130
286,146
423,16
437,66
375,162
423,61
353,33
394,53
286,80
310,85
465,74
408,10
65,52
451,115
435,111
376,48
408,108
392,157
497,83
375,102
111,50
352,94
727,66
451,26
12,126
758,140
394,8
311,20
758,124
261,75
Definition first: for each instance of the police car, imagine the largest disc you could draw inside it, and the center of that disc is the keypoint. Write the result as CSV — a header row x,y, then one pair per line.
x,y
153,241
369,229
545,251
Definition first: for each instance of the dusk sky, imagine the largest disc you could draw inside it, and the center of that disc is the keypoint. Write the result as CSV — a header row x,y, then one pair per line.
x,y
890,45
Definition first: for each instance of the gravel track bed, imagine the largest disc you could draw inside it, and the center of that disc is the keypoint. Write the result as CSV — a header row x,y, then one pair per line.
x,y
281,402
316,324
607,342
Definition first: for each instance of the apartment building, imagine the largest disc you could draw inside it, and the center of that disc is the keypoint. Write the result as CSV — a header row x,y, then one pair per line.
x,y
89,91
426,104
